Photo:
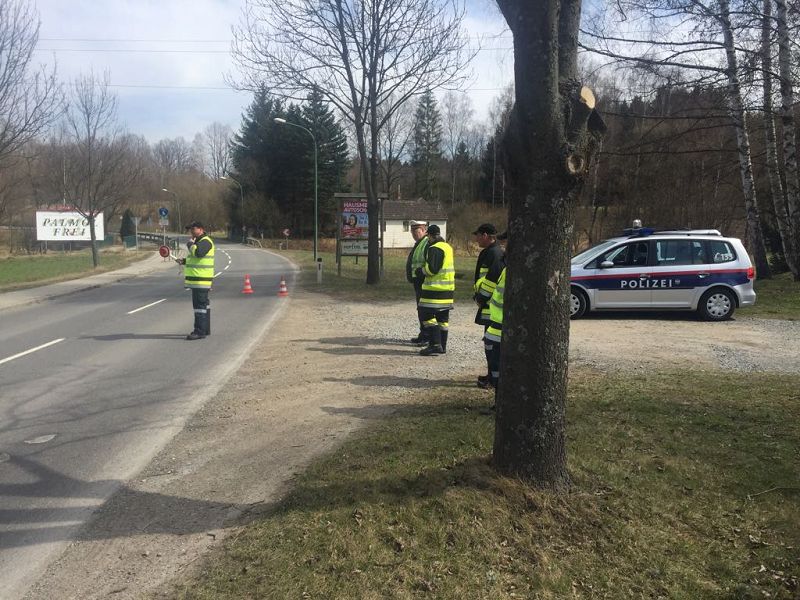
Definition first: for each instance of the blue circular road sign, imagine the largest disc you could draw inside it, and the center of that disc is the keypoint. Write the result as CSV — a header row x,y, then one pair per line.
x,y
163,212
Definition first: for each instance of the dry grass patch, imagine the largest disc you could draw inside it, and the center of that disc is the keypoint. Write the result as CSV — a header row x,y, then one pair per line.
x,y
670,499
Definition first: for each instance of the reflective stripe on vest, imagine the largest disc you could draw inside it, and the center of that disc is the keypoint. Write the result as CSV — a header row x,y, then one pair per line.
x,y
418,256
199,272
495,330
438,289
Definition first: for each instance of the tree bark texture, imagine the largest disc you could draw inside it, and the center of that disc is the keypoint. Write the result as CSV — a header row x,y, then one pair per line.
x,y
754,235
773,169
789,145
546,150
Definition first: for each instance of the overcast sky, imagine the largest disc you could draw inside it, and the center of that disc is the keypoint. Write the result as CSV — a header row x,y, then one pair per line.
x,y
167,59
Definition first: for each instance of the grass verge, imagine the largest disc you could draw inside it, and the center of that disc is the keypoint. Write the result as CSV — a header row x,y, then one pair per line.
x,y
24,271
392,287
685,486
778,298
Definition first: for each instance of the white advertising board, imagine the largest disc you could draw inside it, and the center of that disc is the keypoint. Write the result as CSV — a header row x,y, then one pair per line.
x,y
58,226
355,248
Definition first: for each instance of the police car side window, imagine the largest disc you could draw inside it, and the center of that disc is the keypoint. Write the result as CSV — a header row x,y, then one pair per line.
x,y
679,252
620,256
721,251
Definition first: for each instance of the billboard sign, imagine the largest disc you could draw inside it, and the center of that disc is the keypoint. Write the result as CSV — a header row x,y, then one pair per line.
x,y
66,226
354,219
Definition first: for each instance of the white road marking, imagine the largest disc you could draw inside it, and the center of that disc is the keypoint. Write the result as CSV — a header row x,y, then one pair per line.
x,y
145,306
42,439
21,354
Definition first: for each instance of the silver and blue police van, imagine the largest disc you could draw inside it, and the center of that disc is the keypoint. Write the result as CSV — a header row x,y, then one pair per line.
x,y
691,270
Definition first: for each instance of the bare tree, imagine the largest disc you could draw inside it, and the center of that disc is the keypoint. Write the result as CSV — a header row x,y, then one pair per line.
x,y
547,150
98,169
792,226
217,141
172,156
394,141
29,98
457,120
366,58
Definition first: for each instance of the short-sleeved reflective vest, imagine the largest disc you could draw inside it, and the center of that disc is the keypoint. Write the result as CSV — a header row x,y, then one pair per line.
x,y
438,289
418,256
494,332
199,272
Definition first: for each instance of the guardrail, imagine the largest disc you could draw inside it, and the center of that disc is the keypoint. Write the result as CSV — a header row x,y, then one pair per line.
x,y
158,238
253,241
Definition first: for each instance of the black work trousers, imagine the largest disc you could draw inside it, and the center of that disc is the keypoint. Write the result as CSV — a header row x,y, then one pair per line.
x,y
435,324
202,311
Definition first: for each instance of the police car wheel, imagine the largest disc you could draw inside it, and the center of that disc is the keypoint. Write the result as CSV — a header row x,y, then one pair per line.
x,y
577,304
717,305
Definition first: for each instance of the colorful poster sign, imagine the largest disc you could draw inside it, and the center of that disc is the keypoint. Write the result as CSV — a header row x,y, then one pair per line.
x,y
354,219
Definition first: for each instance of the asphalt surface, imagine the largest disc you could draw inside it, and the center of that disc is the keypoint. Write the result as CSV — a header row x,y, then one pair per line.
x,y
94,383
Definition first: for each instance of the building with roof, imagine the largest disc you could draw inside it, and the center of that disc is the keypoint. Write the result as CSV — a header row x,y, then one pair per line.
x,y
398,213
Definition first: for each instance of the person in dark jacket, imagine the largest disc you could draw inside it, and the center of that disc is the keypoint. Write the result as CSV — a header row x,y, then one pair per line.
x,y
488,267
415,261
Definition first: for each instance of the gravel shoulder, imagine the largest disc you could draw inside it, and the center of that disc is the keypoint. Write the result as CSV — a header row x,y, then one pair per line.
x,y
327,368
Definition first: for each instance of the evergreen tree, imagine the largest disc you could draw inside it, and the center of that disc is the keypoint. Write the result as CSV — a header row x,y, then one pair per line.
x,y
127,227
427,150
332,155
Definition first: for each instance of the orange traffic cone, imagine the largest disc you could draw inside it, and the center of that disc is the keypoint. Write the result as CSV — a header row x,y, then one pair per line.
x,y
247,287
282,289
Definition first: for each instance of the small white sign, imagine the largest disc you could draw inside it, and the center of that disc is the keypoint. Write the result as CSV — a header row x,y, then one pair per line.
x,y
66,226
355,248
163,222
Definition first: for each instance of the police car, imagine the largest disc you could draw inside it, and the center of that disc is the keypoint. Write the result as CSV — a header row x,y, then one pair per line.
x,y
692,270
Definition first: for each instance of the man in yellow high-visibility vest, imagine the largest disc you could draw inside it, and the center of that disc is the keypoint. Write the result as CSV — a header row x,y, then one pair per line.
x,y
198,274
415,261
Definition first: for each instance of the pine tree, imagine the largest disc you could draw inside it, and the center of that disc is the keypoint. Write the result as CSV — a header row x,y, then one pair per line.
x,y
427,147
332,156
127,228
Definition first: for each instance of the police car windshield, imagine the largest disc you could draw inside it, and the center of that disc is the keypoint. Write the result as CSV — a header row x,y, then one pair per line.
x,y
592,252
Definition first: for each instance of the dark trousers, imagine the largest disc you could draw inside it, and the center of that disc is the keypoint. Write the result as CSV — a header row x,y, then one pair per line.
x,y
417,294
202,311
492,350
436,324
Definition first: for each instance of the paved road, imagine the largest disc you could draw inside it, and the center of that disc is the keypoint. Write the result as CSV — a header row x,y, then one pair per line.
x,y
93,384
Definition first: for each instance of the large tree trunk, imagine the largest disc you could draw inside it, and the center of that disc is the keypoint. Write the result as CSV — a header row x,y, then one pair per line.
x,y
546,151
792,244
775,185
755,237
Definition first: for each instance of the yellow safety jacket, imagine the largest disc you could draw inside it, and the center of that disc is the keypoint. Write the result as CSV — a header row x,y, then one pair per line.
x,y
438,289
198,272
418,256
494,332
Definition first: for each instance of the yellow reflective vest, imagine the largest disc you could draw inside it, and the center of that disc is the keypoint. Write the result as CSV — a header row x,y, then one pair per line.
x,y
494,332
198,272
438,289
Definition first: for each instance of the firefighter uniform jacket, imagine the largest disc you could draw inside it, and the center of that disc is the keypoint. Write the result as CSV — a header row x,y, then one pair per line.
x,y
438,289
490,263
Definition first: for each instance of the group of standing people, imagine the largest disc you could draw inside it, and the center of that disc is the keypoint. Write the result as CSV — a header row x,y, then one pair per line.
x,y
430,268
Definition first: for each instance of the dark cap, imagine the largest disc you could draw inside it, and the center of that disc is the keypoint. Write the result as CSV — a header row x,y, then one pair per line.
x,y
503,236
486,228
197,224
434,230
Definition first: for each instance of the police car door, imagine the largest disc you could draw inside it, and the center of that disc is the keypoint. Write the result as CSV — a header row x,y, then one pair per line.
x,y
675,272
621,280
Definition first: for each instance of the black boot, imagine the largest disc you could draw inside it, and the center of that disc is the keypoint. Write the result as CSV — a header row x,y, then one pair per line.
x,y
444,340
208,321
200,324
434,343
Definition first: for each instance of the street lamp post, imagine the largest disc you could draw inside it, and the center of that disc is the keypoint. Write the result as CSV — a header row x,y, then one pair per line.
x,y
241,195
316,203
178,204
